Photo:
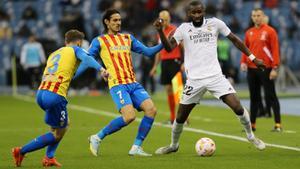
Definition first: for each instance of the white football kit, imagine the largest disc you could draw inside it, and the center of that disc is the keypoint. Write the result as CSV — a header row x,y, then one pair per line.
x,y
201,61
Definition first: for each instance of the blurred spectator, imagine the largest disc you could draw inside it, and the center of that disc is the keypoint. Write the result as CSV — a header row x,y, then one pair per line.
x,y
145,66
5,29
137,14
70,2
211,9
32,59
224,57
29,13
234,25
24,31
226,8
104,4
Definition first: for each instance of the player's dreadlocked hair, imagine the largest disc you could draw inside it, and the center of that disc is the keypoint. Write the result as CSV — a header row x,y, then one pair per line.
x,y
73,35
108,13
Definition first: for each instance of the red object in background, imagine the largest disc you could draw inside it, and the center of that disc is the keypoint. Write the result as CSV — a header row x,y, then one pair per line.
x,y
271,3
150,5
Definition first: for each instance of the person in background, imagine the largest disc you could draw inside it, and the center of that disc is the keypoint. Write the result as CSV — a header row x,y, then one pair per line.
x,y
224,58
32,59
170,63
262,39
145,66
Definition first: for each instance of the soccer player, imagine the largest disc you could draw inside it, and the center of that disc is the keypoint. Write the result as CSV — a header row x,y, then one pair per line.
x,y
52,92
262,39
199,38
114,49
170,63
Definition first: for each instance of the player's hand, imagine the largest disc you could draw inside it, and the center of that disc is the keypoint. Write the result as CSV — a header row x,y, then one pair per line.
x,y
259,63
244,67
152,72
158,24
273,74
104,73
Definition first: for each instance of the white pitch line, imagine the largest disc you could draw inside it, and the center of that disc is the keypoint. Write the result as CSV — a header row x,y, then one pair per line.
x,y
110,114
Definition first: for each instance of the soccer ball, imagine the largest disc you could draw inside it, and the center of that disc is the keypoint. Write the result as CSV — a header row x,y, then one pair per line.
x,y
205,147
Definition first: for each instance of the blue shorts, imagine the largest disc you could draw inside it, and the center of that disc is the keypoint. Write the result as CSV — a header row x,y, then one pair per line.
x,y
55,107
125,94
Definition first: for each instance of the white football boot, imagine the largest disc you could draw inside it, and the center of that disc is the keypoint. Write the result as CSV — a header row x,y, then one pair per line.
x,y
167,149
94,144
138,151
259,144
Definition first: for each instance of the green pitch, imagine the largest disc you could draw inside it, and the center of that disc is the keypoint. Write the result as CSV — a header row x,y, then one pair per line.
x,y
21,120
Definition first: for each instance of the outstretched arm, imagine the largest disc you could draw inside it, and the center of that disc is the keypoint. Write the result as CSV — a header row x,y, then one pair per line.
x,y
243,48
139,47
86,62
169,44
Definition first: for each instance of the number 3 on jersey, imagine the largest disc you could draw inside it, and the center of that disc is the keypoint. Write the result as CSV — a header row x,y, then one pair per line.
x,y
55,61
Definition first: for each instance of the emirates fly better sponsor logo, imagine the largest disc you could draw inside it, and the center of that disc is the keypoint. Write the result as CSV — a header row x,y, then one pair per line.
x,y
201,37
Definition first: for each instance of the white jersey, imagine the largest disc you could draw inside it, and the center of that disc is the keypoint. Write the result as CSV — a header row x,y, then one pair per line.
x,y
200,47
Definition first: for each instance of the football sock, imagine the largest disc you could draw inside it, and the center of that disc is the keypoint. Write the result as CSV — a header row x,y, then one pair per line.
x,y
245,121
176,131
38,143
277,125
51,150
171,102
144,129
112,127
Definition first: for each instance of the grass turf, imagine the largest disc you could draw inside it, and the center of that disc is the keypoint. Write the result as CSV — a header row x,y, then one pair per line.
x,y
22,121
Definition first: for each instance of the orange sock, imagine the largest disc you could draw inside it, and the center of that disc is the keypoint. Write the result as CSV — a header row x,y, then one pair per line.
x,y
171,102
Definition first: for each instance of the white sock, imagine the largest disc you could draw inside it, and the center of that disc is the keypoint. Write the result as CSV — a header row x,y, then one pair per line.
x,y
245,121
176,131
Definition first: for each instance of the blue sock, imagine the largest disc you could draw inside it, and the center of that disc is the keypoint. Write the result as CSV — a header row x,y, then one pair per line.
x,y
51,150
112,127
144,129
38,143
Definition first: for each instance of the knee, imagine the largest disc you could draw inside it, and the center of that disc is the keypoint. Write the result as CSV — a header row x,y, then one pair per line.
x,y
129,116
180,118
58,135
238,110
151,112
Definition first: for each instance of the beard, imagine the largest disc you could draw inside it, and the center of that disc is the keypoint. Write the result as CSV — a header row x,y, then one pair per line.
x,y
198,24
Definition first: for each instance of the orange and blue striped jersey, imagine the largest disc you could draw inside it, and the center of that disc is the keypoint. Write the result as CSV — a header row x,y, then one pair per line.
x,y
60,68
115,53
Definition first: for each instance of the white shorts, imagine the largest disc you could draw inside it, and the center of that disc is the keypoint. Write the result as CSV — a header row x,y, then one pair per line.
x,y
217,85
